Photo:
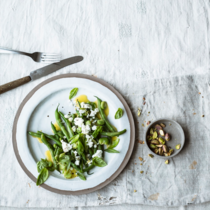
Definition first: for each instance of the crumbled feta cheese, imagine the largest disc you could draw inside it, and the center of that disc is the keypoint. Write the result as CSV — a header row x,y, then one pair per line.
x,y
81,111
98,154
85,129
64,137
86,106
74,128
77,157
94,127
66,147
75,153
77,162
71,168
94,121
90,144
70,119
95,146
66,116
78,121
94,112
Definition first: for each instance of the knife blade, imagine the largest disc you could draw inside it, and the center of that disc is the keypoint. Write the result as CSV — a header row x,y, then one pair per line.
x,y
40,73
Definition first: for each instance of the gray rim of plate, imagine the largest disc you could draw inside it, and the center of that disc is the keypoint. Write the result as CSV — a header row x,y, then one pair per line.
x,y
180,130
124,162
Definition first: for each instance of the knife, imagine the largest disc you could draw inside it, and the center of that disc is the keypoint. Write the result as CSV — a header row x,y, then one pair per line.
x,y
40,73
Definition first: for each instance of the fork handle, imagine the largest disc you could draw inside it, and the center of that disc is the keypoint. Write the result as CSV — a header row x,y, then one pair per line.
x,y
5,50
16,83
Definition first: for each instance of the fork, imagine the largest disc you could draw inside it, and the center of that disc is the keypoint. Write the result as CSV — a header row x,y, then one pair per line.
x,y
41,57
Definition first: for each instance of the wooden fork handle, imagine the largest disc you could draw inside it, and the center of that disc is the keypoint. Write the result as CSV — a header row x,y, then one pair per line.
x,y
11,85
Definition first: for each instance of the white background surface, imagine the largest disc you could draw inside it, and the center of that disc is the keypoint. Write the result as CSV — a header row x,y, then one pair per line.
x,y
122,42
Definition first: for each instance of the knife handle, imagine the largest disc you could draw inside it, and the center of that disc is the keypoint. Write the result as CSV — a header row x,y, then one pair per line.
x,y
11,85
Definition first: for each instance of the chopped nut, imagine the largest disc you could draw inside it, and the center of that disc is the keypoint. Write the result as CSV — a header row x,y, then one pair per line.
x,y
162,133
144,103
171,151
152,146
165,148
142,124
155,135
178,146
135,191
141,164
160,151
163,125
194,113
156,150
144,99
140,158
151,131
160,145
202,115
148,122
167,137
148,112
139,112
141,172
199,93
155,142
167,162
141,142
158,127
150,155
162,141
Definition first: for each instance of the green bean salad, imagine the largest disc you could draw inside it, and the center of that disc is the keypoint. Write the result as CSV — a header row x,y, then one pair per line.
x,y
80,143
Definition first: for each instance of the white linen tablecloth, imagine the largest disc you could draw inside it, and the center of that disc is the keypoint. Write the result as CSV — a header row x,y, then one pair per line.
x,y
142,48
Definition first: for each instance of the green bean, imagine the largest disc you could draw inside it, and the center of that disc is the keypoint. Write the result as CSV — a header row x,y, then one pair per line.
x,y
75,167
111,134
89,168
36,135
81,165
52,138
68,125
103,116
60,134
60,124
50,147
90,151
53,128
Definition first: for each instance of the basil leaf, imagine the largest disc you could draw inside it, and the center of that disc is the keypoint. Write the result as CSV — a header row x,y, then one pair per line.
x,y
44,164
98,162
119,113
114,143
43,176
111,150
81,175
73,93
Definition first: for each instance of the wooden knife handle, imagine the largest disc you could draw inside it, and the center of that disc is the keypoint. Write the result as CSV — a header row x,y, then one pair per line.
x,y
11,85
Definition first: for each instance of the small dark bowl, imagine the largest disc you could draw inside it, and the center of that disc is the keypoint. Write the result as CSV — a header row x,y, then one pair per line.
x,y
176,134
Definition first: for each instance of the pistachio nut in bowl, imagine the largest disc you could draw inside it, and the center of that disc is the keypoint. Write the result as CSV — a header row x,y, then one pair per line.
x,y
164,138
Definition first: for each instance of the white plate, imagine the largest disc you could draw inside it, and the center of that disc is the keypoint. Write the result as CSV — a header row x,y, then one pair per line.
x,y
37,111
